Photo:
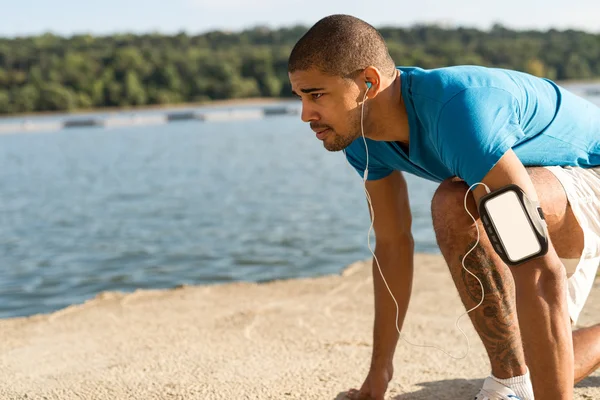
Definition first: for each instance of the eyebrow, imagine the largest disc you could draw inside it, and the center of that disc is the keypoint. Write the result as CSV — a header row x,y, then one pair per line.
x,y
308,91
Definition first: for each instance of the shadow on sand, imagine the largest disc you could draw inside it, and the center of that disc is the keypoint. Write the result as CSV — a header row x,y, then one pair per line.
x,y
450,389
453,389
591,382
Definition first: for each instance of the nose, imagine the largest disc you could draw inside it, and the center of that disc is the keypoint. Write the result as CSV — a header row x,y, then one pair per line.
x,y
308,113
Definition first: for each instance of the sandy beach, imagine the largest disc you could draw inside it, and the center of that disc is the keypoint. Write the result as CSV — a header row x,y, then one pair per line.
x,y
295,339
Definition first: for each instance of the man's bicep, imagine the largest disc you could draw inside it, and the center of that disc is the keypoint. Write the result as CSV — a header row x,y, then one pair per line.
x,y
508,170
391,208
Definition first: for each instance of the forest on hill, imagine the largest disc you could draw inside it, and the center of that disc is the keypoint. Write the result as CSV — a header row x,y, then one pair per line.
x,y
54,73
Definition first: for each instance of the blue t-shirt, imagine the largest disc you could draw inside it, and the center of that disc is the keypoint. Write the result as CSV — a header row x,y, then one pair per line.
x,y
463,119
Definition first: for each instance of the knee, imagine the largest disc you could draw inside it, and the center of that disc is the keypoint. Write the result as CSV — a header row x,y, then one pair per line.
x,y
544,276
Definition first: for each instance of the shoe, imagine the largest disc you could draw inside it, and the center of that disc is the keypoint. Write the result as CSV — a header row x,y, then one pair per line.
x,y
494,390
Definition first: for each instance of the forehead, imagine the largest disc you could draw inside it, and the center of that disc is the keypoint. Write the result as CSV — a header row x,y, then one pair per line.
x,y
312,79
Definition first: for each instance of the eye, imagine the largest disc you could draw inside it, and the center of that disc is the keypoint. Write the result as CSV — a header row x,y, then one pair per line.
x,y
316,96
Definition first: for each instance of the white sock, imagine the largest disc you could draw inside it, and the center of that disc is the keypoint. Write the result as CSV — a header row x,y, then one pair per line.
x,y
521,385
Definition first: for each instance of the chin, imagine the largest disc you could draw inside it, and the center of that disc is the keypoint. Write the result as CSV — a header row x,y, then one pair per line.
x,y
338,142
335,145
333,148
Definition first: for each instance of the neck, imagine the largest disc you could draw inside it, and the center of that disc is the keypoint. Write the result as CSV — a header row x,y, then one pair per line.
x,y
388,120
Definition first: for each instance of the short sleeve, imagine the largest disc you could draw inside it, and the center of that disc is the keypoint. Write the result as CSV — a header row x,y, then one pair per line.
x,y
356,156
475,129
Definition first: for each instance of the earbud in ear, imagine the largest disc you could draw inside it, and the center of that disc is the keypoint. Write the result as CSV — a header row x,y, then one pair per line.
x,y
369,84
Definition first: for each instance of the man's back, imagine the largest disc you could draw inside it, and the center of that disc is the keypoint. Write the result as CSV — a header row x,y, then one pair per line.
x,y
463,119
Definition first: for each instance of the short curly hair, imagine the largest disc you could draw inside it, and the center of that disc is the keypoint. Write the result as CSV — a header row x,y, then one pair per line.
x,y
341,45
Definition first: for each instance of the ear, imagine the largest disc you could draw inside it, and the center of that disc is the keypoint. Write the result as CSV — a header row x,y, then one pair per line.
x,y
372,78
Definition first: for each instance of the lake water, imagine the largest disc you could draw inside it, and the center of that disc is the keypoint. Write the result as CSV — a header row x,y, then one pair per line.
x,y
88,210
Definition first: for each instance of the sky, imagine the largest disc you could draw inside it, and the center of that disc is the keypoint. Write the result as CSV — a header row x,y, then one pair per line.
x,y
68,17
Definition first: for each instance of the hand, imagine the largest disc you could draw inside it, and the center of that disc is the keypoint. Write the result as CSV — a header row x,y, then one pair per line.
x,y
375,385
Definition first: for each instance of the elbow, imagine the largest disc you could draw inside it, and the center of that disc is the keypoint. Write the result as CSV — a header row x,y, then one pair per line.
x,y
401,240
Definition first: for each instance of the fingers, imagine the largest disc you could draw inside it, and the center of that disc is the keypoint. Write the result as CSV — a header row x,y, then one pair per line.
x,y
354,394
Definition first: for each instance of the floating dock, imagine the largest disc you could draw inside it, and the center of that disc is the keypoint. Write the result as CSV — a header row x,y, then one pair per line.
x,y
143,119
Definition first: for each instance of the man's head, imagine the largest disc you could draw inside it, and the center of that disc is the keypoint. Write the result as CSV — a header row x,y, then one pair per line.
x,y
329,69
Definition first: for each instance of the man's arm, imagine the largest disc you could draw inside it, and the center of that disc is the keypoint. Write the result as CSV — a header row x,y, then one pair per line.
x,y
394,249
541,299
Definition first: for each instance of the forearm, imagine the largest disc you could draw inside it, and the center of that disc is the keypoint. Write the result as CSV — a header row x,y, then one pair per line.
x,y
396,263
545,327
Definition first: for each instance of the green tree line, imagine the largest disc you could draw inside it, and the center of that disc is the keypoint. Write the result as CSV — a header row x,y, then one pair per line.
x,y
54,73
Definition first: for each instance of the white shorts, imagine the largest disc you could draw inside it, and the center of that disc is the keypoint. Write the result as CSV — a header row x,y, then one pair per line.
x,y
582,186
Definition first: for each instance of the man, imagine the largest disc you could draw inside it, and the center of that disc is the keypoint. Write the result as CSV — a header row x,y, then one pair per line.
x,y
460,126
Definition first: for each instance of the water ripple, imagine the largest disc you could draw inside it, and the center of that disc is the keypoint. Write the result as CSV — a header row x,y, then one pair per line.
x,y
155,207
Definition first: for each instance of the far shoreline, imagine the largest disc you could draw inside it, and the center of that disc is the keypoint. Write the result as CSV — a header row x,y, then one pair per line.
x,y
211,103
154,107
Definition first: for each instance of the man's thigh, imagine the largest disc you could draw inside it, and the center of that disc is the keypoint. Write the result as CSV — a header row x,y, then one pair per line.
x,y
564,230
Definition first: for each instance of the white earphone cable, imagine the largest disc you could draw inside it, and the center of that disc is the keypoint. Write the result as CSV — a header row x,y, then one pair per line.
x,y
365,176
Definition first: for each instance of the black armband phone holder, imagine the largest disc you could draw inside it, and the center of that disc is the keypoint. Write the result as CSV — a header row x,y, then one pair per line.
x,y
514,224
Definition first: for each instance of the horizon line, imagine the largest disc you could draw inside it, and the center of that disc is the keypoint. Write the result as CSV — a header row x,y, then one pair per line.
x,y
431,24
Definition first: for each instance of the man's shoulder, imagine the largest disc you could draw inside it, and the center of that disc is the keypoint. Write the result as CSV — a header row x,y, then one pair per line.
x,y
465,74
442,84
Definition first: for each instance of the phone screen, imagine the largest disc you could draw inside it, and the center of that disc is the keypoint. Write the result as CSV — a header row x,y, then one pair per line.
x,y
512,226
